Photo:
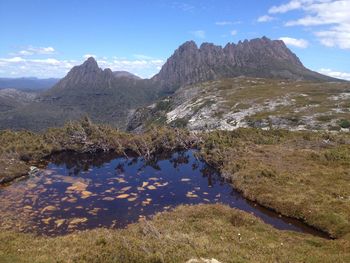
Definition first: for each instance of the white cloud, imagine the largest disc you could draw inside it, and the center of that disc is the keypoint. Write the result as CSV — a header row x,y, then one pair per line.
x,y
198,33
29,51
335,74
300,43
333,15
233,32
292,5
265,18
12,60
52,67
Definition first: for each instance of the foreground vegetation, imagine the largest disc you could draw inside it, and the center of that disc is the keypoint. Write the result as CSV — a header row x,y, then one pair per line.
x,y
303,174
20,149
207,231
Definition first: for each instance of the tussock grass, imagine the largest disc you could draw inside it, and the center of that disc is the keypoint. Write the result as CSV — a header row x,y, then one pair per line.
x,y
305,175
25,148
209,231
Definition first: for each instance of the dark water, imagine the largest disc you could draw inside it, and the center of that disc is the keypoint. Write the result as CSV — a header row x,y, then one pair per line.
x,y
78,192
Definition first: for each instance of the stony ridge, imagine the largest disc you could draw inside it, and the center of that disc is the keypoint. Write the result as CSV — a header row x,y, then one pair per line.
x,y
259,57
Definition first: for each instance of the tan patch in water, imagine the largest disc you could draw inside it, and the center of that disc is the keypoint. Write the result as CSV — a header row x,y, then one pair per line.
x,y
48,208
123,196
46,221
78,220
124,189
59,222
191,195
108,198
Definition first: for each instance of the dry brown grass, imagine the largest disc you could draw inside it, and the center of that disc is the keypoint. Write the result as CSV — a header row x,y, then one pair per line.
x,y
302,174
209,231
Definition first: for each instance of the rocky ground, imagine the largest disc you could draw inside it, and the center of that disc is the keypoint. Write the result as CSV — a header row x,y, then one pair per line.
x,y
251,102
13,98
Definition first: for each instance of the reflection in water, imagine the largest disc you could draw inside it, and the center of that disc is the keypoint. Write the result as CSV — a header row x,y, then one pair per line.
x,y
83,191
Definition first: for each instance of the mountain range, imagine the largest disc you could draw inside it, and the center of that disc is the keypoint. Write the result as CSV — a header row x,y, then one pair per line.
x,y
113,97
27,84
259,57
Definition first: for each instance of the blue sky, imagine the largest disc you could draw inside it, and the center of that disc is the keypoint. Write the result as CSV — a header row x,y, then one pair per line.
x,y
45,38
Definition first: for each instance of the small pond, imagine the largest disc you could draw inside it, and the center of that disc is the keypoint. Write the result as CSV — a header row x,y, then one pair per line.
x,y
84,191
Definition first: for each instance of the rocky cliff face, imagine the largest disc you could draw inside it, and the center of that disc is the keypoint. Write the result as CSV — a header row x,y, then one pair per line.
x,y
260,57
86,74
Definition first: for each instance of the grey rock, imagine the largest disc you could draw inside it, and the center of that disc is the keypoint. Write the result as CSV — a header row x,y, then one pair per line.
x,y
259,57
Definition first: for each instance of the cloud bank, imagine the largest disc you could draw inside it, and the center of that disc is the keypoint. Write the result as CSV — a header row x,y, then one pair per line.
x,y
328,19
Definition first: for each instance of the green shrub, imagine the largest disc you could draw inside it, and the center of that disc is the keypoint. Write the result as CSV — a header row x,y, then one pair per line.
x,y
344,123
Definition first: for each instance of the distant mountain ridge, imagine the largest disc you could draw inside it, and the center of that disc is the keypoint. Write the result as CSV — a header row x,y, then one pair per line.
x,y
113,97
125,74
260,57
27,83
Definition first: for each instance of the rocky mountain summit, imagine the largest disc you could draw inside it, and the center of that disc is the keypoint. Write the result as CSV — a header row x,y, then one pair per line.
x,y
259,57
88,74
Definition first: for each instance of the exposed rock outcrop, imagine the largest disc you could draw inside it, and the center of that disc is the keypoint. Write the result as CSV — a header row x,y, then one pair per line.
x,y
259,57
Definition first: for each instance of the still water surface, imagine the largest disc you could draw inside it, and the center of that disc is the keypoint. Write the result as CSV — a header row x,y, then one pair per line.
x,y
84,191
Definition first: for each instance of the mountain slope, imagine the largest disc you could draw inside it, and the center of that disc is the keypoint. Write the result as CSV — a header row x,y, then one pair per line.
x,y
13,98
261,57
125,74
228,104
86,90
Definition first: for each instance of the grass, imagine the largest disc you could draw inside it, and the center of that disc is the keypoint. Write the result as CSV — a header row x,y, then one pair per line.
x,y
208,231
303,174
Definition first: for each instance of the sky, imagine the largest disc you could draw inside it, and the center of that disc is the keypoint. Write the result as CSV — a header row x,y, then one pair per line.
x,y
46,38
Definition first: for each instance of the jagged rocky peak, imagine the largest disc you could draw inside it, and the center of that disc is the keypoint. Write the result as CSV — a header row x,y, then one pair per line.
x,y
259,57
187,46
88,74
90,64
